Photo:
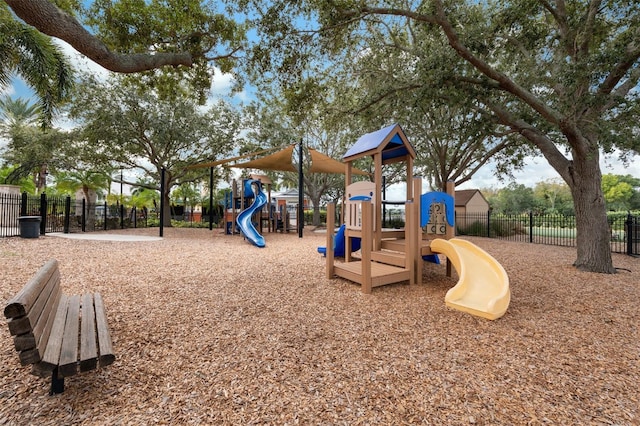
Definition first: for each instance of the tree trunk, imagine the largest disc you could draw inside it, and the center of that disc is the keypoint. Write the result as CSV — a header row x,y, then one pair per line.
x,y
316,215
593,237
315,199
91,212
166,219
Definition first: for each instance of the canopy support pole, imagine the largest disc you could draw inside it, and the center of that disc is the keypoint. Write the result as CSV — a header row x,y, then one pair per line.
x,y
300,193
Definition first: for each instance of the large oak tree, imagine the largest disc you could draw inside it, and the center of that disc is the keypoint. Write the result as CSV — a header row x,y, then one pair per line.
x,y
561,75
137,130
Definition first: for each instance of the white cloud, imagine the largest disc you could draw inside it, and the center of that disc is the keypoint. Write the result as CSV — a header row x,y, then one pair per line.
x,y
221,87
537,169
221,83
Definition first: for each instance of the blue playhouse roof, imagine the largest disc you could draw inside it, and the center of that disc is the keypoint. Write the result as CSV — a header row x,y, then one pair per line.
x,y
396,143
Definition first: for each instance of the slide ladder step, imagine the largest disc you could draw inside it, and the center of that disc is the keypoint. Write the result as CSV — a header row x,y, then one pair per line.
x,y
389,258
394,245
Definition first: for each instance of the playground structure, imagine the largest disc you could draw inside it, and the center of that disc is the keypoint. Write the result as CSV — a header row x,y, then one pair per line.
x,y
391,256
251,212
278,218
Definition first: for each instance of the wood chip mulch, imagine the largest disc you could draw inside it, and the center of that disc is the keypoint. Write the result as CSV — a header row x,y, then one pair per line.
x,y
209,329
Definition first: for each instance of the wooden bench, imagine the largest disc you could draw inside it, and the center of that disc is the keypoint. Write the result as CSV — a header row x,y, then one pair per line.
x,y
59,335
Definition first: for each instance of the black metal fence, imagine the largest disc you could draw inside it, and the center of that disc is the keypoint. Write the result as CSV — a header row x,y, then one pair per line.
x,y
63,214
105,217
557,230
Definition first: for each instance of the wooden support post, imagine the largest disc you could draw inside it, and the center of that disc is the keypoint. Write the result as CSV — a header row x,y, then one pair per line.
x,y
377,215
411,249
331,214
450,230
348,243
416,238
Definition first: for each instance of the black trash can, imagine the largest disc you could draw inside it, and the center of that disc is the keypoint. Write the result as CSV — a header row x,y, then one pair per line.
x,y
29,226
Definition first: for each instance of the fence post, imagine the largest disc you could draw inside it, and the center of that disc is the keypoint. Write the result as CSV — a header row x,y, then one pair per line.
x,y
43,213
162,186
121,216
530,226
629,233
23,204
488,223
67,214
105,216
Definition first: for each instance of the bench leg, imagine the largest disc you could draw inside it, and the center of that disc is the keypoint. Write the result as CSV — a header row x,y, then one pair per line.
x,y
57,384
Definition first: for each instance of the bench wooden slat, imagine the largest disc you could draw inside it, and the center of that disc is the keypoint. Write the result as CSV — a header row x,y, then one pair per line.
x,y
107,356
42,329
33,354
38,336
88,347
24,324
68,365
24,342
51,355
26,297
29,356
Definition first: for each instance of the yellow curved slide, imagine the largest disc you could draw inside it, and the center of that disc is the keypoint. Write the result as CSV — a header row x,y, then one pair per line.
x,y
483,284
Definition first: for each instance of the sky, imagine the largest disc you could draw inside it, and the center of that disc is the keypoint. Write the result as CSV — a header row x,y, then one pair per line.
x,y
536,168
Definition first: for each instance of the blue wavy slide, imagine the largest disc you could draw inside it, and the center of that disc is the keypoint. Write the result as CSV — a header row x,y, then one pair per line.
x,y
244,218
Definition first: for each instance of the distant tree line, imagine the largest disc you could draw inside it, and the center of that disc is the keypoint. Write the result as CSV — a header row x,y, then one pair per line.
x,y
622,193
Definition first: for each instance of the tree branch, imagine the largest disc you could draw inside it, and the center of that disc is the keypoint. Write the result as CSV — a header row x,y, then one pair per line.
x,y
621,68
52,21
503,81
548,149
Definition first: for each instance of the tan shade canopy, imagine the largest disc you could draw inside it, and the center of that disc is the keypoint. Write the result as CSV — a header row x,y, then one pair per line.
x,y
321,163
280,161
227,160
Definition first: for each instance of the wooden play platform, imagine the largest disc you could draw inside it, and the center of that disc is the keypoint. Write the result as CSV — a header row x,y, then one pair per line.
x,y
391,256
387,255
400,253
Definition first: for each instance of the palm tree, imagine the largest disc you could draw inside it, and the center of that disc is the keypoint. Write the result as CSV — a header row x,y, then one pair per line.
x,y
33,56
143,196
87,181
18,118
17,113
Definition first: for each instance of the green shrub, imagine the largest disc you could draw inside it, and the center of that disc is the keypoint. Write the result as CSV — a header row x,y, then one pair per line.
x,y
476,229
154,222
506,228
395,223
308,217
188,224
